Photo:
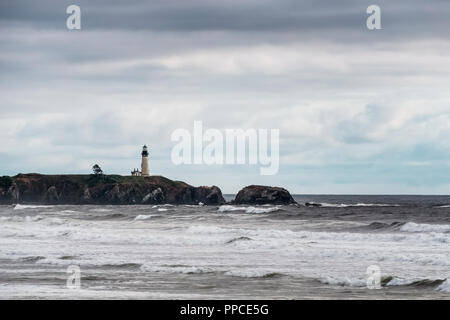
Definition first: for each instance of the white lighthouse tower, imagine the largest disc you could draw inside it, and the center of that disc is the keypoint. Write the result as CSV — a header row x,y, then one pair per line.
x,y
144,164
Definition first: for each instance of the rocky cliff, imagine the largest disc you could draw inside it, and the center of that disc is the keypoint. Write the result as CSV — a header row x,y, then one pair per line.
x,y
110,189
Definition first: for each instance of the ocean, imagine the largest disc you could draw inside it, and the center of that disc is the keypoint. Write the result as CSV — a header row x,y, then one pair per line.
x,y
230,252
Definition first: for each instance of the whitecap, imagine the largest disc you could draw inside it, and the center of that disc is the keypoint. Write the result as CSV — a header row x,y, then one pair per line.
x,y
208,229
144,217
101,210
423,227
225,208
162,205
445,286
23,206
261,210
229,208
345,205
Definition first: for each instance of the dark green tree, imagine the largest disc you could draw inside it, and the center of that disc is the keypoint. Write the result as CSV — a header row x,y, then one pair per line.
x,y
97,170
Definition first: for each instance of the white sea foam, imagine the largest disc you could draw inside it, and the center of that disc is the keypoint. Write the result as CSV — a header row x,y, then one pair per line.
x,y
345,205
162,209
144,217
162,205
22,218
101,210
423,227
261,210
226,208
375,205
229,208
445,286
208,229
24,206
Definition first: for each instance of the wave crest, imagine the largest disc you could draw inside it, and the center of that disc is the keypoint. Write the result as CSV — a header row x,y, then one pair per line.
x,y
345,205
25,206
445,286
229,208
423,227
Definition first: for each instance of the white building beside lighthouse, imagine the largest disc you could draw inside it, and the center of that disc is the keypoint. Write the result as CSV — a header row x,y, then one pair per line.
x,y
145,171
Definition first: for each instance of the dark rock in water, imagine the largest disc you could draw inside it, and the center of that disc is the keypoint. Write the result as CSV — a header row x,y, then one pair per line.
x,y
263,195
108,189
209,195
312,204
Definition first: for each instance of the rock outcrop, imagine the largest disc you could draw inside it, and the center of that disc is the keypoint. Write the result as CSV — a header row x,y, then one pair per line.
x,y
263,195
110,189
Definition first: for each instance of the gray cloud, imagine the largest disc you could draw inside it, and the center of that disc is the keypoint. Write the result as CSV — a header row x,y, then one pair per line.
x,y
410,18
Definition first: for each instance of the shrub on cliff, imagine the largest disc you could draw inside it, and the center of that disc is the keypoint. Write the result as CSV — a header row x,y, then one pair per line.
x,y
5,182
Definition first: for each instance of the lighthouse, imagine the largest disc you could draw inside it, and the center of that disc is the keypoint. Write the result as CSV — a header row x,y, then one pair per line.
x,y
144,164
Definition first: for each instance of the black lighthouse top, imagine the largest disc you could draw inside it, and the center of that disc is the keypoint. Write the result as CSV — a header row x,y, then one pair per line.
x,y
144,151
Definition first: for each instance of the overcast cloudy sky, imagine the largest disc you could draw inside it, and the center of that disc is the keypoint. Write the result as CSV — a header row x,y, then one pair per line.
x,y
359,111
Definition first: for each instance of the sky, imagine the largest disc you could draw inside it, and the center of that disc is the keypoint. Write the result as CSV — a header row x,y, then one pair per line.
x,y
358,111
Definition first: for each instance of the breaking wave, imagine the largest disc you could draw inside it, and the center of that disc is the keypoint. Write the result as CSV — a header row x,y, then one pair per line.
x,y
423,227
162,205
176,269
208,229
23,207
384,226
253,274
22,219
229,208
388,281
397,281
101,210
344,205
445,286
144,217
238,239
185,269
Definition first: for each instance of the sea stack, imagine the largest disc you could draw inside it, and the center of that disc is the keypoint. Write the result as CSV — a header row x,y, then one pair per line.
x,y
263,195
